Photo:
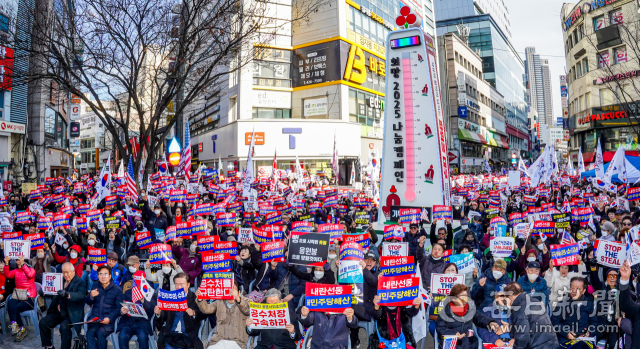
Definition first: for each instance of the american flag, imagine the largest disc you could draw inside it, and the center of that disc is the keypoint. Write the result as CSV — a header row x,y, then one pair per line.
x,y
185,159
136,294
567,238
130,182
424,216
450,342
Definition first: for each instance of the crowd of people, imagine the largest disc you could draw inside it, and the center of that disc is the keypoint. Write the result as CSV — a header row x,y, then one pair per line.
x,y
526,298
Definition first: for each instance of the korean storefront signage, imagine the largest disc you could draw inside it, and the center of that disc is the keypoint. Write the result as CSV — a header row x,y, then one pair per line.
x,y
315,107
469,126
585,8
6,68
271,99
603,115
414,127
616,77
11,127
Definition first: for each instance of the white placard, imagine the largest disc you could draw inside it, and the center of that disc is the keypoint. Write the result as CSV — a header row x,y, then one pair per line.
x,y
51,283
514,179
17,248
611,254
245,235
395,249
442,283
465,262
315,106
502,247
135,310
521,230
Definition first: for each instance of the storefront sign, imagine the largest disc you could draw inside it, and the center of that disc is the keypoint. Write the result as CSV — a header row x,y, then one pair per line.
x,y
368,43
315,107
604,116
11,127
316,64
584,9
6,68
616,77
271,99
259,138
469,126
362,67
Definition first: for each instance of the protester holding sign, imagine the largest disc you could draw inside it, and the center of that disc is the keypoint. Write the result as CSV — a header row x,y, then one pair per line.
x,y
138,326
41,262
444,235
72,257
231,318
332,329
66,308
164,277
23,295
180,328
484,290
105,299
276,337
559,279
533,284
394,321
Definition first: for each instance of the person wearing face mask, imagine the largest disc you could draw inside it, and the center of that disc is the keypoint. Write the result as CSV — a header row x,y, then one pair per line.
x,y
231,318
41,262
187,259
394,324
607,231
164,277
415,232
249,259
558,279
133,265
573,321
533,284
157,220
524,322
332,257
130,325
499,312
72,257
24,277
92,241
437,299
483,290
320,275
532,255
117,269
455,319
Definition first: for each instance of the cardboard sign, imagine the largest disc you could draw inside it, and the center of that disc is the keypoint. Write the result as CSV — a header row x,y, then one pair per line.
x,y
327,298
216,286
309,249
609,253
396,266
97,256
334,230
395,249
398,290
442,283
273,251
112,222
160,254
17,248
51,283
565,254
172,300
350,272
502,247
465,262
269,316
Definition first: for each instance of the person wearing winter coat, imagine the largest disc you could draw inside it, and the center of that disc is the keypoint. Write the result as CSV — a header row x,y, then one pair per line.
x,y
558,280
432,264
453,320
332,329
72,257
105,299
445,234
277,338
394,321
164,277
130,325
117,269
319,275
471,277
415,232
532,255
572,320
231,317
24,277
249,259
188,259
499,312
525,325
484,289
628,306
535,285
41,262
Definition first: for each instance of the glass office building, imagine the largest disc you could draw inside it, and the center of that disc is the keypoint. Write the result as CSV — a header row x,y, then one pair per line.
x,y
502,67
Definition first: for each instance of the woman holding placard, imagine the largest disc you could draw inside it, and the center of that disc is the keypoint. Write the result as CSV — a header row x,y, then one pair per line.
x,y
23,295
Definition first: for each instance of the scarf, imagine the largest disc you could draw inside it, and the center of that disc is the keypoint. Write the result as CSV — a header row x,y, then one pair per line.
x,y
460,311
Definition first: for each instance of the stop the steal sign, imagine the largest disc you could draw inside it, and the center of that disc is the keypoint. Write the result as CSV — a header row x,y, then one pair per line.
x,y
442,283
17,248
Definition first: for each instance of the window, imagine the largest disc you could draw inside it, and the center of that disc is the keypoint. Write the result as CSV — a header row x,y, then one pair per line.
x,y
49,121
270,113
575,36
606,96
615,17
232,108
585,65
580,101
581,32
603,59
620,54
587,100
579,70
4,23
598,23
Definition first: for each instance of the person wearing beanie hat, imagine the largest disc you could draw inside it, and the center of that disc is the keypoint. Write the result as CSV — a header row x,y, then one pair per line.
x,y
533,284
608,231
72,257
486,286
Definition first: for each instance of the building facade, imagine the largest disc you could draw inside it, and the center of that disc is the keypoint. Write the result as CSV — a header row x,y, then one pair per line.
x,y
502,66
538,83
323,79
474,110
603,70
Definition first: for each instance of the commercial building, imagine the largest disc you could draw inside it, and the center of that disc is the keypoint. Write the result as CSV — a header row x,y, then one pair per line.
x,y
502,66
473,109
538,83
602,70
322,79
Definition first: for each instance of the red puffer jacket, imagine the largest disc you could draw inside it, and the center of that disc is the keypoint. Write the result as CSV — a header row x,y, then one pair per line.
x,y
25,278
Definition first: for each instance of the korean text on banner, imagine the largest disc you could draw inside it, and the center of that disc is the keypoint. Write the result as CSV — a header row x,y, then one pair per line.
x,y
465,262
397,249
327,298
565,254
216,262
216,286
442,212
269,316
51,283
17,248
502,247
309,249
397,290
351,251
97,256
160,254
396,266
350,272
442,283
273,251
172,300
609,253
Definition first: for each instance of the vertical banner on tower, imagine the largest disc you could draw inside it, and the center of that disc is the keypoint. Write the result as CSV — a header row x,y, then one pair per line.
x,y
413,174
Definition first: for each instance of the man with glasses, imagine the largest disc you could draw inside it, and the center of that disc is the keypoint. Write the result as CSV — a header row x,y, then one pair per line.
x,y
571,318
66,308
105,299
117,269
529,329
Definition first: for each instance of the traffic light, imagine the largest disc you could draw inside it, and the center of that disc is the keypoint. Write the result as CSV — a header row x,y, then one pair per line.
x,y
513,155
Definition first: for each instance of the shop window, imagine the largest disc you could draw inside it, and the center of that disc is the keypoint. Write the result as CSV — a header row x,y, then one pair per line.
x,y
353,106
620,54
599,23
616,17
271,113
603,59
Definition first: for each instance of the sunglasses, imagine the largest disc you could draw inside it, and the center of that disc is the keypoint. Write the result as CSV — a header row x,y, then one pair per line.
x,y
627,224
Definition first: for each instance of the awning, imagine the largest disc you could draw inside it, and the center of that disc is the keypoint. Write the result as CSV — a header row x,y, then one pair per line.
x,y
492,141
504,141
588,157
470,136
482,139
